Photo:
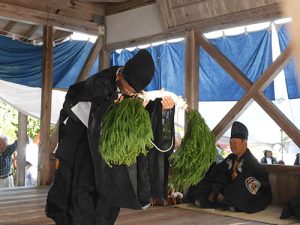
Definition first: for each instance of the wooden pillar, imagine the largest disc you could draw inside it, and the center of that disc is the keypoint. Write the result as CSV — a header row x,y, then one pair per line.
x,y
90,59
191,70
21,149
104,55
104,59
44,146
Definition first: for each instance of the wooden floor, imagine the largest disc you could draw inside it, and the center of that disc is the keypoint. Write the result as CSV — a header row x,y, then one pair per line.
x,y
26,206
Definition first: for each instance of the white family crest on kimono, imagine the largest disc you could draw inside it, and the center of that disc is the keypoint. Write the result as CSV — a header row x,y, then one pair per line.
x,y
252,185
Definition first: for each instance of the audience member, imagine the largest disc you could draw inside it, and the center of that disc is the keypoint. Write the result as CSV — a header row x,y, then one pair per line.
x,y
239,183
6,151
268,158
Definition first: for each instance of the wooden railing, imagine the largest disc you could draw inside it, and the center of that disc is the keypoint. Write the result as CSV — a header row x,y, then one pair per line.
x,y
285,182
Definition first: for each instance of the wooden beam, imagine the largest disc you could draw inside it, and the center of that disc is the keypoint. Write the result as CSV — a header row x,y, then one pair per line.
x,y
38,17
8,27
105,1
60,35
67,8
286,125
90,59
166,13
21,149
44,146
112,8
191,70
234,19
104,59
27,34
265,79
262,14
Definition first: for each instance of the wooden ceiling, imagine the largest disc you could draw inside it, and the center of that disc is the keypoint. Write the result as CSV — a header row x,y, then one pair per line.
x,y
24,19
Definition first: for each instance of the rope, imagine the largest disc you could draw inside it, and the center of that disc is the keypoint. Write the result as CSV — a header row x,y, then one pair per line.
x,y
161,150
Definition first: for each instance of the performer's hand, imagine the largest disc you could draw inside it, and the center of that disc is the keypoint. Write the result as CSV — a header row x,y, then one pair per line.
x,y
145,102
167,102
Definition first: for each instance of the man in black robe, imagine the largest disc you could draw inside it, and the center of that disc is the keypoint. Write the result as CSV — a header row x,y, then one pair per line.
x,y
239,183
85,190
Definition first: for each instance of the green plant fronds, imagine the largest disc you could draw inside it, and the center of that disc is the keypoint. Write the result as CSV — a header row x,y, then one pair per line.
x,y
126,132
196,153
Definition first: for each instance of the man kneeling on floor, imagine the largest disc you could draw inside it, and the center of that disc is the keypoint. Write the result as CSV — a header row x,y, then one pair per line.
x,y
239,183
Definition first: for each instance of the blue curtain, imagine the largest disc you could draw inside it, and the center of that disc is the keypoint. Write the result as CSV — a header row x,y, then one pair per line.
x,y
169,66
251,53
22,63
290,70
172,65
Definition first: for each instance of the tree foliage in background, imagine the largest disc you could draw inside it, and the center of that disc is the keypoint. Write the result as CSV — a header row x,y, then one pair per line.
x,y
9,123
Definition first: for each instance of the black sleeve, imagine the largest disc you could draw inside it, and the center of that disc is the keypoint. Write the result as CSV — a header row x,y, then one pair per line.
x,y
218,177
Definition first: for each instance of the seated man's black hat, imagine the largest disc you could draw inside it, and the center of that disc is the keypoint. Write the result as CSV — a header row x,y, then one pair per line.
x,y
139,70
239,130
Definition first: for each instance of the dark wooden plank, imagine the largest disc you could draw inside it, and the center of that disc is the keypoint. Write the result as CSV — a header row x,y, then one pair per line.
x,y
26,206
285,182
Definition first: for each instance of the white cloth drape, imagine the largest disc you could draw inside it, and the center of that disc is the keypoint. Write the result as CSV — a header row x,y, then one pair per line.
x,y
28,99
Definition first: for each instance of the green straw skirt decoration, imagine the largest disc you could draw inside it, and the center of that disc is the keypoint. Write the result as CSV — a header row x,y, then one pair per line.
x,y
196,153
126,132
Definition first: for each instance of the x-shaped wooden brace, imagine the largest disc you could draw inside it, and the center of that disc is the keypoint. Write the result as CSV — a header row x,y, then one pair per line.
x,y
253,91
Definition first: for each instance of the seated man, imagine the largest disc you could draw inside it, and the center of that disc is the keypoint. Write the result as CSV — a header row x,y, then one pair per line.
x,y
239,183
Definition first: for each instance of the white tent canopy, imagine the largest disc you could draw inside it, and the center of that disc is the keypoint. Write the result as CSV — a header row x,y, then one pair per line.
x,y
28,99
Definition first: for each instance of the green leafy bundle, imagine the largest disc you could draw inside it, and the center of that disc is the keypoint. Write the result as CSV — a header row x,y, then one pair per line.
x,y
196,153
126,132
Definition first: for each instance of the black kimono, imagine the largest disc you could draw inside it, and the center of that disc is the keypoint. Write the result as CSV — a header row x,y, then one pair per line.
x,y
291,208
85,190
238,192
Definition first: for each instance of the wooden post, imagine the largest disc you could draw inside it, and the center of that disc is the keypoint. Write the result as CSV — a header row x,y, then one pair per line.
x,y
21,149
44,146
104,59
191,70
90,59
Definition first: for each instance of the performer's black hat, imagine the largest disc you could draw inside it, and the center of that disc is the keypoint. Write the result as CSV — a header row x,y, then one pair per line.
x,y
239,130
139,70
